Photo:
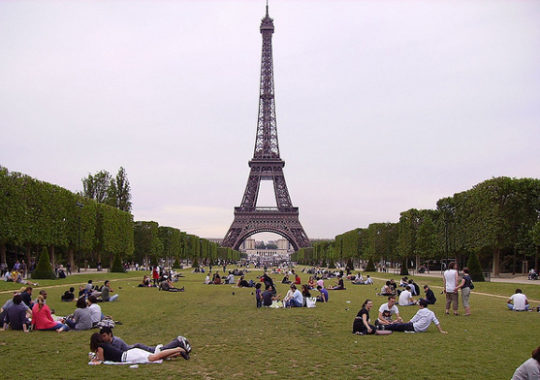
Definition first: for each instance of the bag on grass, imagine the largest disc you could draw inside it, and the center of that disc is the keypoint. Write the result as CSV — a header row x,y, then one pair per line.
x,y
311,301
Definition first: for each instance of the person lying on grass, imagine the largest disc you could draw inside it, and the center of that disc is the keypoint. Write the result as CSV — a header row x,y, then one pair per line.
x,y
419,323
168,286
106,352
108,337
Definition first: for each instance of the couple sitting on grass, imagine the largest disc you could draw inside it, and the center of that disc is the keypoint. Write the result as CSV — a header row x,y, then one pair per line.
x,y
106,347
418,323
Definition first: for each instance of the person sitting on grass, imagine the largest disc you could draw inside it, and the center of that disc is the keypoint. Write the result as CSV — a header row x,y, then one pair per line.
x,y
108,337
145,283
518,301
369,280
42,318
258,295
386,311
297,280
95,310
296,299
405,297
324,294
105,292
81,319
339,285
286,279
269,295
311,283
167,286
430,297
404,282
530,369
242,283
419,323
106,352
15,316
358,279
305,294
361,324
68,295
217,279
386,290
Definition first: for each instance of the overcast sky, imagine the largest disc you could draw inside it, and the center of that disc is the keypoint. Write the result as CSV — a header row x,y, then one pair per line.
x,y
382,106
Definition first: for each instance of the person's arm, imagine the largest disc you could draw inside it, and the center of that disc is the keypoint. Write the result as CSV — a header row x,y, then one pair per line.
x,y
444,283
456,279
441,330
99,356
461,284
398,318
365,321
382,321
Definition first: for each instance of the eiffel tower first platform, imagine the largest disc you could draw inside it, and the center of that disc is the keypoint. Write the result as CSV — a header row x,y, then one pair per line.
x,y
266,165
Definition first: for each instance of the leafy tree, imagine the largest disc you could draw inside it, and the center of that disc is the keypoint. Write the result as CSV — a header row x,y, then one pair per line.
x,y
117,264
370,267
97,186
475,270
43,269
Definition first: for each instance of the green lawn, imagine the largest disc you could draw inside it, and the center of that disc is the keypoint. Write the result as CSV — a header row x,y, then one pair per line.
x,y
232,339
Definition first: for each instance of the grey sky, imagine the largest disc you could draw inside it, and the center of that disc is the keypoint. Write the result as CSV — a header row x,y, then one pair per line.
x,y
381,105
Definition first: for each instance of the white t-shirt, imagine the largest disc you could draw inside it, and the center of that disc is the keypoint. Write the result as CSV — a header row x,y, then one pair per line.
x,y
530,369
518,300
393,311
404,298
95,312
422,320
450,276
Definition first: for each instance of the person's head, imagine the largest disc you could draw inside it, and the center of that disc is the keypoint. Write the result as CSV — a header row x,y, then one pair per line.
x,y
43,293
452,265
40,301
367,304
81,303
95,341
89,281
319,288
426,288
368,275
422,303
258,285
71,290
519,291
293,287
106,334
17,299
466,270
305,288
391,301
536,354
28,290
388,283
92,299
410,281
106,283
408,287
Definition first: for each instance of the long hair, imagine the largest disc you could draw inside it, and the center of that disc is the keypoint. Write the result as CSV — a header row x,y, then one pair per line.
x,y
40,301
365,303
95,341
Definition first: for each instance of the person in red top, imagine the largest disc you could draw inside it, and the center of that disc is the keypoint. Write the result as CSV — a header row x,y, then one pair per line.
x,y
155,276
42,318
297,280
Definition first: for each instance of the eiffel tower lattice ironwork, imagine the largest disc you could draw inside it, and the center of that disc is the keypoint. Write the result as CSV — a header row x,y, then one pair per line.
x,y
266,165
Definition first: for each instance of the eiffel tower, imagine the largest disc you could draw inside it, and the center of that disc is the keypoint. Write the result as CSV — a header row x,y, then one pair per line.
x,y
266,164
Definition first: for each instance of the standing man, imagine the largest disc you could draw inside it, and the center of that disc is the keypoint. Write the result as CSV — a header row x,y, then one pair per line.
x,y
450,278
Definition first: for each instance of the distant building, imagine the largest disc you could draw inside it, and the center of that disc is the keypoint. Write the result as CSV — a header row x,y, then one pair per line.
x,y
267,256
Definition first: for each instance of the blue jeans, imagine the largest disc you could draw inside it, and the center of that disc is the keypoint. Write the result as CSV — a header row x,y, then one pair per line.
x,y
58,326
511,307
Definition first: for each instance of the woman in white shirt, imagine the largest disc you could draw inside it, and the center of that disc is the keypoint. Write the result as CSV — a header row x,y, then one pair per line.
x,y
450,279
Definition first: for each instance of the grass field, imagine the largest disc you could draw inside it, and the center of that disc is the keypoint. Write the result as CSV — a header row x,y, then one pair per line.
x,y
232,339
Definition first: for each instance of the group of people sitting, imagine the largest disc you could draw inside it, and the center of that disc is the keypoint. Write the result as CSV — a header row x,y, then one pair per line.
x,y
390,320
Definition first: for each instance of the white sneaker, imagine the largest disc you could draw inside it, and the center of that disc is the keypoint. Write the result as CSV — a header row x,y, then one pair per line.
x,y
157,350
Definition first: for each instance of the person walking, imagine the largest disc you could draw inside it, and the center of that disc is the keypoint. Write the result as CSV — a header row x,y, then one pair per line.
x,y
450,279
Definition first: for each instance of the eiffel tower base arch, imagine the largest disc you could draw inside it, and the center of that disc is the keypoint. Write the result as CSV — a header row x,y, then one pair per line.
x,y
284,223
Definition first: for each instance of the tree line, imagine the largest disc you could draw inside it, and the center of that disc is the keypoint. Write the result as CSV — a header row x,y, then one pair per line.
x,y
498,221
79,231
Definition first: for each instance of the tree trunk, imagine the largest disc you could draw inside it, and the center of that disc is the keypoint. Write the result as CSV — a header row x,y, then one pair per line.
x,y
3,258
51,254
71,259
417,263
514,261
536,259
496,262
28,255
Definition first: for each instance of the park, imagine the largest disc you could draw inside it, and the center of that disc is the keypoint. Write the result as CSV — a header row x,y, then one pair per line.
x,y
231,338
